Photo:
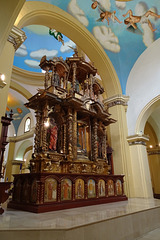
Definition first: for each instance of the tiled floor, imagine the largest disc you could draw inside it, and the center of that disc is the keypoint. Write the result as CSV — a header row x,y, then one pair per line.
x,y
70,218
128,219
153,235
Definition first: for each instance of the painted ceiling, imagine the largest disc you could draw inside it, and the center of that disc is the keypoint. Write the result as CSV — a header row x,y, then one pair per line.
x,y
15,102
122,43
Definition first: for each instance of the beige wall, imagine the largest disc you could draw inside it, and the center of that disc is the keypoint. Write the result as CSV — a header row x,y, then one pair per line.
x,y
9,10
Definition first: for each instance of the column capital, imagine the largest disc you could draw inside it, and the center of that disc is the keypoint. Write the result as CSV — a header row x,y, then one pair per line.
x,y
116,100
138,139
16,37
154,151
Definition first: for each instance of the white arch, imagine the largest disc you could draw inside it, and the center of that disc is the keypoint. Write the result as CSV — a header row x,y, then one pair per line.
x,y
49,15
143,88
22,148
145,113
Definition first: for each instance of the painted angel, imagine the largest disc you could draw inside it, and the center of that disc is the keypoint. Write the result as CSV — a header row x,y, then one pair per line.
x,y
104,14
133,20
57,35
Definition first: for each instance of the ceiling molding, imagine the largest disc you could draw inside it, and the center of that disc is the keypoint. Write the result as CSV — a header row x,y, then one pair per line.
x,y
27,77
23,91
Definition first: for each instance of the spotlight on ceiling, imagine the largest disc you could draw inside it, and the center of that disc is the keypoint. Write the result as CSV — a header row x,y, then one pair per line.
x,y
2,82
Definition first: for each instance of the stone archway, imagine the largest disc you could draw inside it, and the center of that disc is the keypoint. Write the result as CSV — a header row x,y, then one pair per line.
x,y
22,149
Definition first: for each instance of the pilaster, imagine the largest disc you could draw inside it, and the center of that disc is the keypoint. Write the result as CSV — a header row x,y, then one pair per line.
x,y
117,132
154,164
15,39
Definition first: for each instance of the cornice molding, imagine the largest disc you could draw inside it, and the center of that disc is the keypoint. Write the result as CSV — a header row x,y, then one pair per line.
x,y
27,77
22,137
17,162
116,100
153,151
138,139
16,37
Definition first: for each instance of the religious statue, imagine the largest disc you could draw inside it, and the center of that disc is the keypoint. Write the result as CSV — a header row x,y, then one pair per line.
x,y
53,133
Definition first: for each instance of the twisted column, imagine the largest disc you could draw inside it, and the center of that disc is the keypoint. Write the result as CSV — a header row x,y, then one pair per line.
x,y
47,77
94,140
44,132
75,134
70,133
74,67
37,139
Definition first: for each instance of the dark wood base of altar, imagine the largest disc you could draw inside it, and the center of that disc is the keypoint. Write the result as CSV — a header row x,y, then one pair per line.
x,y
43,192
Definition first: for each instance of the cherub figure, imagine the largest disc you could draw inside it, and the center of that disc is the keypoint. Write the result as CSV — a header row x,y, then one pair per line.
x,y
94,4
57,35
133,20
104,13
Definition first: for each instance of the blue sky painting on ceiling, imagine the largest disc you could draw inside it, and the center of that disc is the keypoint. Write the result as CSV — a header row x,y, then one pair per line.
x,y
38,44
123,45
18,108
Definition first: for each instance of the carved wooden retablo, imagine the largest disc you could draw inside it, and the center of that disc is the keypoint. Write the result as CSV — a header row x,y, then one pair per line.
x,y
70,135
69,166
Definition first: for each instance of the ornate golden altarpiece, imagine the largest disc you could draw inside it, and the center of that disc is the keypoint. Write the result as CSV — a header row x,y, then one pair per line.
x,y
69,167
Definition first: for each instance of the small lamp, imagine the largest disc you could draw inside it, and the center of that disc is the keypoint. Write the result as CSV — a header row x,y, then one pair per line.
x,y
2,82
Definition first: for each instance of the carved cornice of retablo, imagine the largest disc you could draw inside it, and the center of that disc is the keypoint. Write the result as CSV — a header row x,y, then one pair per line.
x,y
116,100
16,37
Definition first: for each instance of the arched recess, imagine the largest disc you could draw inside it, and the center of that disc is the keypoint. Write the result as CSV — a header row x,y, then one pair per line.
x,y
145,113
22,149
46,14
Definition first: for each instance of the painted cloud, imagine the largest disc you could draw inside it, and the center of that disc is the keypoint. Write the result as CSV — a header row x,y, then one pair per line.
x,y
21,51
120,5
141,8
66,48
38,29
77,12
41,52
106,4
32,63
107,38
148,35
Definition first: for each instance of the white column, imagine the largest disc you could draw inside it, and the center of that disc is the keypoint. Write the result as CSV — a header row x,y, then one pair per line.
x,y
140,166
117,134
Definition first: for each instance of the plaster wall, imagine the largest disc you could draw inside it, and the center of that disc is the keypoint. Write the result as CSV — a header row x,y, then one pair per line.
x,y
22,124
143,85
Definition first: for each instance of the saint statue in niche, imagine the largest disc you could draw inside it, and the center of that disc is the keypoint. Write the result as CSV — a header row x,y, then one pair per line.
x,y
52,135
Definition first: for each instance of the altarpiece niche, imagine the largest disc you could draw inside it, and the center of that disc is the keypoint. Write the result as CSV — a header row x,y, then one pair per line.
x,y
69,167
